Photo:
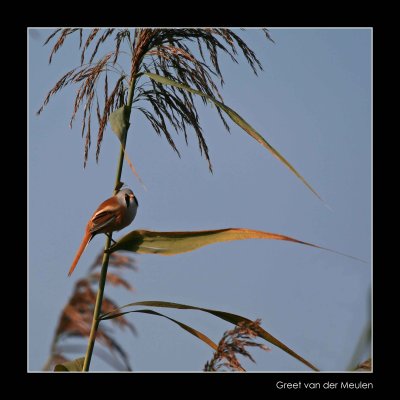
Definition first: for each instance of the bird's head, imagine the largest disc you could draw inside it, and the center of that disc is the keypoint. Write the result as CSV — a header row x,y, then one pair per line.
x,y
127,195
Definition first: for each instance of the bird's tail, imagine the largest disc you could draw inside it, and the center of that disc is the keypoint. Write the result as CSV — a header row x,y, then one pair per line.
x,y
86,239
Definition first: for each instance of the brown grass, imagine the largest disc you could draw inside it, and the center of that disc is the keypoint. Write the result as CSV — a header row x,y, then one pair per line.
x,y
365,366
76,317
234,342
189,56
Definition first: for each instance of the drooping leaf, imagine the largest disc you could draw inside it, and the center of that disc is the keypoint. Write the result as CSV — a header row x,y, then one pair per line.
x,y
187,328
120,124
232,318
235,117
171,243
119,121
74,365
133,169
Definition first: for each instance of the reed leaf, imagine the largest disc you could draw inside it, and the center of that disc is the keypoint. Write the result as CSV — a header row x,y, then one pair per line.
x,y
235,117
172,243
69,366
232,318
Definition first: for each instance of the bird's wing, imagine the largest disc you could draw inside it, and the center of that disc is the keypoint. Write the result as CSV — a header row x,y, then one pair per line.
x,y
101,221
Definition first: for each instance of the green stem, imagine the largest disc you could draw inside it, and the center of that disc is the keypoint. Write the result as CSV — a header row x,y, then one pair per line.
x,y
106,256
97,307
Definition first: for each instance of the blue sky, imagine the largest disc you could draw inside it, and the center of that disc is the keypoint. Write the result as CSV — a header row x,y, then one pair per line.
x,y
313,103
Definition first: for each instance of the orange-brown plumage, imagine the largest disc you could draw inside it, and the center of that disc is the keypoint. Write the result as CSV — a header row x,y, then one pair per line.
x,y
113,214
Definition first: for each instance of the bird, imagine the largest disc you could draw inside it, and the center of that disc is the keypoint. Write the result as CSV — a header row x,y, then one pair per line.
x,y
113,214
